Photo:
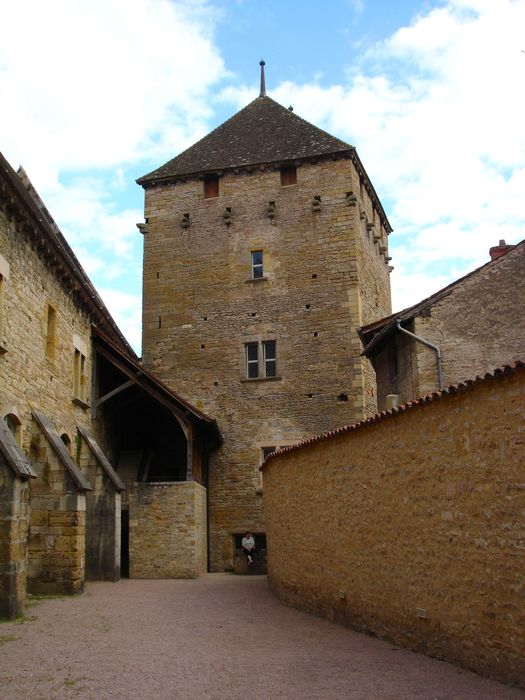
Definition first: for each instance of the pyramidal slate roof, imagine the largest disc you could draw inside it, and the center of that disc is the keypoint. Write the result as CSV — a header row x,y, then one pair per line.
x,y
263,132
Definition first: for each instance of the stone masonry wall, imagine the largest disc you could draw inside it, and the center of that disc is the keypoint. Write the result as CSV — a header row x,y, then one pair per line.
x,y
167,530
478,326
57,525
411,527
27,374
201,306
13,541
36,373
102,520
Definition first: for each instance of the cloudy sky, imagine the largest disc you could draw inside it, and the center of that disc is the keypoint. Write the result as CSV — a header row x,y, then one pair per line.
x,y
95,93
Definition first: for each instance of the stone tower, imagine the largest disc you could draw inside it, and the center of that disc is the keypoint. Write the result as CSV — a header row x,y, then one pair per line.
x,y
265,246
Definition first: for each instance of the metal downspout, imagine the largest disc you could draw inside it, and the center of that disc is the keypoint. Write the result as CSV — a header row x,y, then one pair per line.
x,y
429,345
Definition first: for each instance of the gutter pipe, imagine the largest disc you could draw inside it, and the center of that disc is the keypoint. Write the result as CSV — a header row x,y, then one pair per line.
x,y
429,345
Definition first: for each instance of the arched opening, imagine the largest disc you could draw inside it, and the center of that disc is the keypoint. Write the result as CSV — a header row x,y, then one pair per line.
x,y
14,426
67,442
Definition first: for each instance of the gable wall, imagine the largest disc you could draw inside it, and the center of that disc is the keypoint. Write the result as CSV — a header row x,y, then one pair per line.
x,y
479,326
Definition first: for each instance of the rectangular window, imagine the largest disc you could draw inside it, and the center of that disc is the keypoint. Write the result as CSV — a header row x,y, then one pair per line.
x,y
51,332
79,375
252,360
257,264
289,175
270,358
211,186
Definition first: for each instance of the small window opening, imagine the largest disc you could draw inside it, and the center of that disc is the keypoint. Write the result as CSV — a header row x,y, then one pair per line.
x,y
14,426
288,175
211,186
67,442
270,358
314,277
202,347
342,397
215,383
160,321
316,334
252,360
307,306
257,264
79,375
204,318
309,396
51,332
158,275
253,313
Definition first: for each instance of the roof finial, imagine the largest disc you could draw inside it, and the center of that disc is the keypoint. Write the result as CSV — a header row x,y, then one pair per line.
x,y
263,84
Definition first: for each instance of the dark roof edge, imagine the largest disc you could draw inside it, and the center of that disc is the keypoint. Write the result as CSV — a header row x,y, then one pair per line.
x,y
60,450
371,191
384,326
160,386
101,458
149,180
467,385
61,250
350,152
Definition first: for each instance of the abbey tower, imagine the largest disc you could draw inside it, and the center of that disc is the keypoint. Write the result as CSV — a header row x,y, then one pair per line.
x,y
265,246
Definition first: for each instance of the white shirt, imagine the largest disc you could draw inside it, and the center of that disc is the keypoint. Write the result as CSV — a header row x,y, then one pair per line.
x,y
248,542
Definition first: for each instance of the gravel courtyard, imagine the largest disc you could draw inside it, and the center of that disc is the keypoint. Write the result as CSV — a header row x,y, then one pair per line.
x,y
221,637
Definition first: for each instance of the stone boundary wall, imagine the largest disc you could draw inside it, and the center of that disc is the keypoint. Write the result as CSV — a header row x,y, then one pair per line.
x,y
167,530
410,526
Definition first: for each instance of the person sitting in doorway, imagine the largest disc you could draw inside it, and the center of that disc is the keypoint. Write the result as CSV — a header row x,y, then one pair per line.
x,y
248,547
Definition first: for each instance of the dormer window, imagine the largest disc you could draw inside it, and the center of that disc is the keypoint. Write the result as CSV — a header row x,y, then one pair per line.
x,y
211,186
288,175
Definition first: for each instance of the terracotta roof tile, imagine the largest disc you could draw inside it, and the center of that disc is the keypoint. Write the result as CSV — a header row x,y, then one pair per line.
x,y
384,415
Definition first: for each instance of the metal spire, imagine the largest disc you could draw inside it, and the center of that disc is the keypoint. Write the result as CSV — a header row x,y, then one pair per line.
x,y
263,83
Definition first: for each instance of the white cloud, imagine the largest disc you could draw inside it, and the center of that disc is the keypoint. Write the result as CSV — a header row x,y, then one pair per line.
x,y
437,113
92,84
126,309
91,87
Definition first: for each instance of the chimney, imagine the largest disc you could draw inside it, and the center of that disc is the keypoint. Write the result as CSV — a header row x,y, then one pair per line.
x,y
498,250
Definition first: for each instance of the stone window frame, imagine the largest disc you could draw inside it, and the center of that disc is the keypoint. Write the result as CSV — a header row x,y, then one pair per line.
x,y
51,322
257,267
260,359
79,374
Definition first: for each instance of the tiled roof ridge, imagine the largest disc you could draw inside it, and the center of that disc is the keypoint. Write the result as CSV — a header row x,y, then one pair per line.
x,y
466,385
387,322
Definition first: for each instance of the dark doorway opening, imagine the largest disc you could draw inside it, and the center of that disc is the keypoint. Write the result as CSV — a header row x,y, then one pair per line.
x,y
124,544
